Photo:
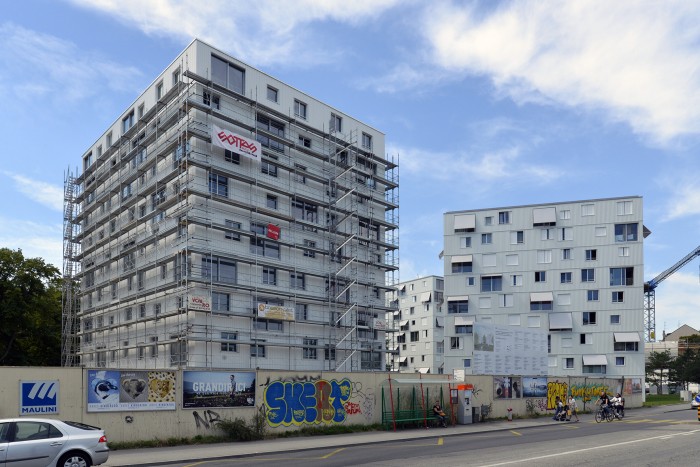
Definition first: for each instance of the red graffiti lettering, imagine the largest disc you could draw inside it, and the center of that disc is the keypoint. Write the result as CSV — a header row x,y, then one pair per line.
x,y
352,408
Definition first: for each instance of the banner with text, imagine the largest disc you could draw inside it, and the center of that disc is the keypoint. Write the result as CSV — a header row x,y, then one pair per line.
x,y
236,143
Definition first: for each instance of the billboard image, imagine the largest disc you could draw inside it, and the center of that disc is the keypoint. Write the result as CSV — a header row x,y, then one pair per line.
x,y
218,389
535,387
114,391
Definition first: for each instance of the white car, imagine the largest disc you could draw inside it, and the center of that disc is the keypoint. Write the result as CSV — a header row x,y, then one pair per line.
x,y
695,403
42,442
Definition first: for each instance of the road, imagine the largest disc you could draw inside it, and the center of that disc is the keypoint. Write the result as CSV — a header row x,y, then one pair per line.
x,y
659,436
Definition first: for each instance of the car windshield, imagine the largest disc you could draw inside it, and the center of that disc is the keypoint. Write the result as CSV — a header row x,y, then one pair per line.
x,y
81,426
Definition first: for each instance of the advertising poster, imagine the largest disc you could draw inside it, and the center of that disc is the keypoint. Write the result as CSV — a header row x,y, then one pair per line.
x,y
114,391
503,350
507,387
218,389
534,387
632,386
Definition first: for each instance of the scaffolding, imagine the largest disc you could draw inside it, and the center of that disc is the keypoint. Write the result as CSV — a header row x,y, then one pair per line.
x,y
164,238
71,268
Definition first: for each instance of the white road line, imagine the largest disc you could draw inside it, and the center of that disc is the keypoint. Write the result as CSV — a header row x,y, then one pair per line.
x,y
607,446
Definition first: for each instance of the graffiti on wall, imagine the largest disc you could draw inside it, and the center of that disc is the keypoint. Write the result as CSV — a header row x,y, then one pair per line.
x,y
312,402
535,406
588,390
555,389
362,402
207,419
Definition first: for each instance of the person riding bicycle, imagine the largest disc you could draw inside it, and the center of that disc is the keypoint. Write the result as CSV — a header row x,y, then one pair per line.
x,y
618,403
440,414
604,402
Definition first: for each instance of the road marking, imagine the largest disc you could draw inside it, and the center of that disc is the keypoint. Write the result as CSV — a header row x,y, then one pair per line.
x,y
515,433
607,446
332,453
440,441
571,426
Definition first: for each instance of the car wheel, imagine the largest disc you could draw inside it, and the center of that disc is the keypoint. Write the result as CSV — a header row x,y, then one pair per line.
x,y
74,460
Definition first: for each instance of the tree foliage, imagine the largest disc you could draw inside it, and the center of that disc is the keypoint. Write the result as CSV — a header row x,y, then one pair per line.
x,y
30,311
657,364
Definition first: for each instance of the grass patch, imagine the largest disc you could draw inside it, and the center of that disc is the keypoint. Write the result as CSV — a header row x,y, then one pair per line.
x,y
162,443
327,430
662,399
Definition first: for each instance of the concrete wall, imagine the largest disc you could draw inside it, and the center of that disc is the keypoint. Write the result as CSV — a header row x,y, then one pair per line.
x,y
290,400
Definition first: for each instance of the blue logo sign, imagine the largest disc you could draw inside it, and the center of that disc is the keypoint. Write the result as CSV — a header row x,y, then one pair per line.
x,y
38,397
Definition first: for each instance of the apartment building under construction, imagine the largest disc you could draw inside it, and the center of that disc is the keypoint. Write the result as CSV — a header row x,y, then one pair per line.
x,y
228,220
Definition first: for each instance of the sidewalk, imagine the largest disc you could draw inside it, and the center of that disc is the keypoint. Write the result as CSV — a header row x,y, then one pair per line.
x,y
154,456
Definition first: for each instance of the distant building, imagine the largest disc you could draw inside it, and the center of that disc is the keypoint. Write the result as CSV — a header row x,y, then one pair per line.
x,y
417,345
228,220
573,270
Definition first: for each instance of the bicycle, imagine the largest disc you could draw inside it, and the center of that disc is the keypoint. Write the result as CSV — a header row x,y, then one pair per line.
x,y
604,413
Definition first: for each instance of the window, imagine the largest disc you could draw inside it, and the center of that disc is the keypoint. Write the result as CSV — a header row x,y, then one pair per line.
x,y
220,301
273,127
230,234
309,350
624,208
268,325
564,299
458,306
620,361
592,295
485,238
614,319
329,352
567,233
108,139
141,276
461,267
565,214
547,234
176,76
488,220
305,211
227,75
618,297
586,339
218,184
272,94
541,306
257,350
336,123
569,363
297,280
626,232
626,347
129,314
262,246
219,270
232,157
301,312
516,237
540,276
467,362
544,256
516,280
465,242
623,251
621,276
587,209
463,329
142,311
533,321
471,281
491,283
456,343
310,244
484,302
159,90
506,301
156,310
271,202
269,276
414,336
128,122
504,217
304,141
565,278
300,109
591,255
366,141
589,318
588,275
211,99
228,342
299,173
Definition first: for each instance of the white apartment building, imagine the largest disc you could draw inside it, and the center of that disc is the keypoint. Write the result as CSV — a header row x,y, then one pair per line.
x,y
573,270
229,220
417,343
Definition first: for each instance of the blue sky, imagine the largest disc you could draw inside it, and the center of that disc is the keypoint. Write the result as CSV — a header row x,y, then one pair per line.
x,y
485,104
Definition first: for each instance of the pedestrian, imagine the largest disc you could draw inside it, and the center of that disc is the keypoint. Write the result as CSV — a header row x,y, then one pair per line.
x,y
558,408
572,408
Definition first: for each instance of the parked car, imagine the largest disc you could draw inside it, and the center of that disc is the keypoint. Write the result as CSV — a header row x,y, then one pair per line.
x,y
695,403
42,442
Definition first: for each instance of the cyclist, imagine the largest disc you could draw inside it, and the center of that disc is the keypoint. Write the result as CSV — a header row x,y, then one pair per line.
x,y
604,402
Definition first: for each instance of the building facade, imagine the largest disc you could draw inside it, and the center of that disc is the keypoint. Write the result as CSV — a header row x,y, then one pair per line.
x,y
229,220
573,270
416,344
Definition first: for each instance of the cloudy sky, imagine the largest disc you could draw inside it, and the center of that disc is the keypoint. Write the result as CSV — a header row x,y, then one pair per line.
x,y
484,103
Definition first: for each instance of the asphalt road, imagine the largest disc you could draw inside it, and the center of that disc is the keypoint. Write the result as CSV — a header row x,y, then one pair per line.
x,y
659,436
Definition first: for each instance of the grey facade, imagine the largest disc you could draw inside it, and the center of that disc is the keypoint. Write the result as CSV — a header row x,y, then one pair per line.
x,y
573,269
190,254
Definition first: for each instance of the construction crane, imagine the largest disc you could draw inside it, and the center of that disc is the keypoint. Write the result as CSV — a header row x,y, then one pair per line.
x,y
650,294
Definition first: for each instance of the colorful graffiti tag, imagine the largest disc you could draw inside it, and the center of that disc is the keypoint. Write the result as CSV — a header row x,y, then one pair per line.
x,y
296,403
554,389
586,392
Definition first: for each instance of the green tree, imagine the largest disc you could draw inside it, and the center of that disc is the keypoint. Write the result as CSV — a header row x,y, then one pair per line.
x,y
657,363
686,368
30,311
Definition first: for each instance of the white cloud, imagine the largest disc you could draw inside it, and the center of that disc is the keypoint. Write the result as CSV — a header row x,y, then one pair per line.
x,y
264,32
34,239
684,200
36,65
635,61
677,300
44,193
